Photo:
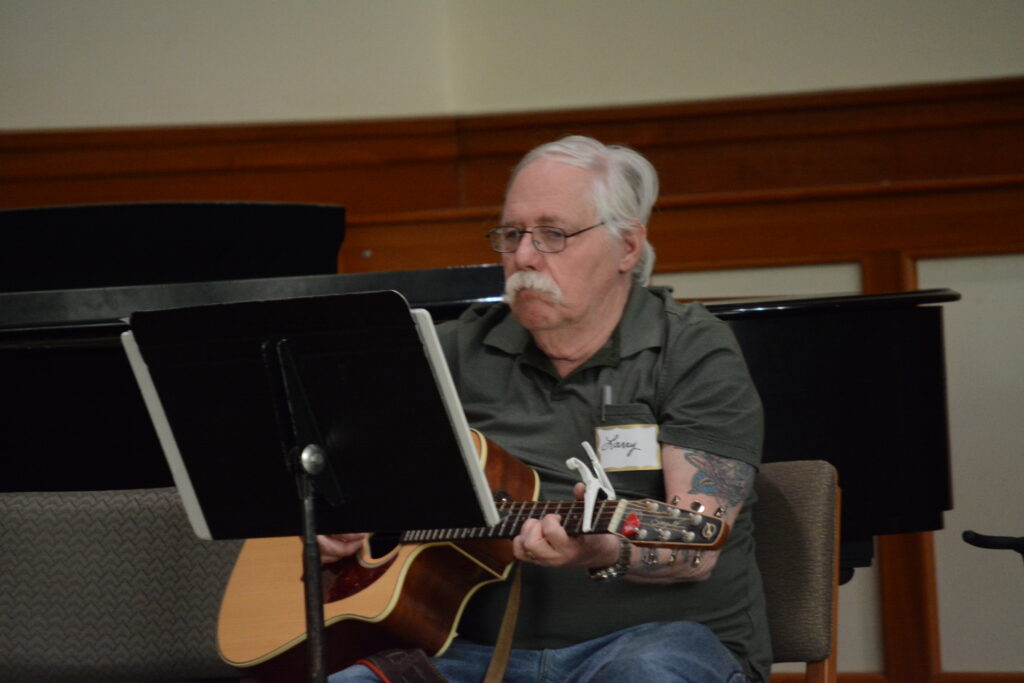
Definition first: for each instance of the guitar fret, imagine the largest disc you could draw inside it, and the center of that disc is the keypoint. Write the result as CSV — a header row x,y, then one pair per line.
x,y
525,512
506,518
575,518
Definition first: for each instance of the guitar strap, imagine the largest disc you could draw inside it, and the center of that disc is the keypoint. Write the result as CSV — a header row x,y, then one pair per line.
x,y
503,645
403,666
414,666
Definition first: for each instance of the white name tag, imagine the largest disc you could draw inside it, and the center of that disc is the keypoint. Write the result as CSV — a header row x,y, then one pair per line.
x,y
629,447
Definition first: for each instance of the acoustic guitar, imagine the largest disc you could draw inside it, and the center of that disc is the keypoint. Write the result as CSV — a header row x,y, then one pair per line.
x,y
412,594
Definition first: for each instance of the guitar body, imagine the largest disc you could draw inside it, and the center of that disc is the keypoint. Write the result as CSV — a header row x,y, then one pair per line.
x,y
409,597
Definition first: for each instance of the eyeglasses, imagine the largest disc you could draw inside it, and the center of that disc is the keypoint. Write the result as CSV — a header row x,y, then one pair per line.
x,y
546,238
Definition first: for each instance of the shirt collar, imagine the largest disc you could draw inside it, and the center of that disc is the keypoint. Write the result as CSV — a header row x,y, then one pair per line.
x,y
643,323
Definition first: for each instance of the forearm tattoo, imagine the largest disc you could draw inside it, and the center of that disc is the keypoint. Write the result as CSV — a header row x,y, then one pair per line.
x,y
727,480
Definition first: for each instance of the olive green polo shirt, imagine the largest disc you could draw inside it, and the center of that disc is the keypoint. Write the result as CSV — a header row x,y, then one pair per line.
x,y
667,364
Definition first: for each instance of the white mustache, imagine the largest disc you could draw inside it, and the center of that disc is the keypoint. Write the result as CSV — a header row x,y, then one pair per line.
x,y
534,281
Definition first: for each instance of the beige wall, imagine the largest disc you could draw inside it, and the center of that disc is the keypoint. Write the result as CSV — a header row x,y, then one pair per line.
x,y
981,592
73,64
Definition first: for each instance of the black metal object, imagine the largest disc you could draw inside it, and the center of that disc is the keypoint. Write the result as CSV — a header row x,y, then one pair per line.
x,y
995,542
68,390
117,245
858,381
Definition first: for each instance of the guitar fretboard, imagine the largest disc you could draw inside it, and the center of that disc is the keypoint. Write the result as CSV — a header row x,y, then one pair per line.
x,y
514,514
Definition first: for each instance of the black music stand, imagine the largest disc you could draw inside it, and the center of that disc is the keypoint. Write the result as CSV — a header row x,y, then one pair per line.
x,y
345,399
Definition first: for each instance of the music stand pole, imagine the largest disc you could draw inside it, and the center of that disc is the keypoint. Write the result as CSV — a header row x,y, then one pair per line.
x,y
311,462
313,475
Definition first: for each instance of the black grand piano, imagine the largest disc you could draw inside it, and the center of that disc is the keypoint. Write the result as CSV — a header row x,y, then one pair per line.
x,y
855,380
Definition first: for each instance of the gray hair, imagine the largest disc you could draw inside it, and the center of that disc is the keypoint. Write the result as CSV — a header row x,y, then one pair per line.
x,y
624,186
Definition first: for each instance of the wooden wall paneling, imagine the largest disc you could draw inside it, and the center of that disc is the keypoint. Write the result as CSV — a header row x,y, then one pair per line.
x,y
910,620
749,163
358,189
887,271
887,135
976,677
369,167
735,230
848,677
824,227
412,241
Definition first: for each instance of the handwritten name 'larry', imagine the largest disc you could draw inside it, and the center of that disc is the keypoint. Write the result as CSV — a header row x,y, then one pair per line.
x,y
614,444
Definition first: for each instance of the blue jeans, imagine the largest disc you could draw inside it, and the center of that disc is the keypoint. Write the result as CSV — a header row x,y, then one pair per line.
x,y
671,651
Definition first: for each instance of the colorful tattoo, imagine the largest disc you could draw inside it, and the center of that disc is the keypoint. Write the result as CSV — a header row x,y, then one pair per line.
x,y
651,558
729,481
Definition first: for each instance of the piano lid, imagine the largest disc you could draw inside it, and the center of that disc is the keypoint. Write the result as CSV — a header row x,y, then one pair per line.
x,y
76,313
117,245
783,305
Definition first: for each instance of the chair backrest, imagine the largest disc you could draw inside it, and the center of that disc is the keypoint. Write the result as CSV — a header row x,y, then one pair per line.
x,y
796,526
108,586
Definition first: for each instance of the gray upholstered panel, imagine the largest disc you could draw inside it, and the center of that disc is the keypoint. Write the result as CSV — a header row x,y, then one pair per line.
x,y
107,586
794,522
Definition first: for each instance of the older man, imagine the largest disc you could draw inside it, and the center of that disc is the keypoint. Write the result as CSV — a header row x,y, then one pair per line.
x,y
583,351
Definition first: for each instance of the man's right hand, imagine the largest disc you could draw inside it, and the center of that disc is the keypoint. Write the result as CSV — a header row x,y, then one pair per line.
x,y
334,547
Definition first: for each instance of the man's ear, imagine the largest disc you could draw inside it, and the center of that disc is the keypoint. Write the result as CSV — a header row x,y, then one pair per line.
x,y
633,239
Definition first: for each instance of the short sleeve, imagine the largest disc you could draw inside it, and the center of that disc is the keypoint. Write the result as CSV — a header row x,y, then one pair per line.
x,y
707,400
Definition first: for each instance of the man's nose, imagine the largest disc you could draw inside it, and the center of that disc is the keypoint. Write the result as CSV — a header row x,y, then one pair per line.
x,y
526,255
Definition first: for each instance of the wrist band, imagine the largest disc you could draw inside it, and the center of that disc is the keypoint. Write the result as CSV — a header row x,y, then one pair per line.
x,y
618,569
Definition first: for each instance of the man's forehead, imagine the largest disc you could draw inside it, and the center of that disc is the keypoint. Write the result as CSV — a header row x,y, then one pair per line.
x,y
549,193
541,219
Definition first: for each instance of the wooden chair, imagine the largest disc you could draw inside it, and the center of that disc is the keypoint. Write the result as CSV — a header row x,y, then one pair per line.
x,y
796,526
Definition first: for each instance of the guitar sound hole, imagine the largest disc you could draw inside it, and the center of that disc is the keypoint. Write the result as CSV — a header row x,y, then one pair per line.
x,y
383,543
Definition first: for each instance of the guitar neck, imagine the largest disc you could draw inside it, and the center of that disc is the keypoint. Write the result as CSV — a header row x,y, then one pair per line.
x,y
643,522
514,514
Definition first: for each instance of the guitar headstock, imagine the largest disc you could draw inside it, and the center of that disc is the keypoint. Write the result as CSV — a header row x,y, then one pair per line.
x,y
653,523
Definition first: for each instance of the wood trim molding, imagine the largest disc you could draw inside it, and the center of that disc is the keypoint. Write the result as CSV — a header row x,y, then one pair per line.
x,y
978,677
943,677
772,143
883,228
910,609
850,677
